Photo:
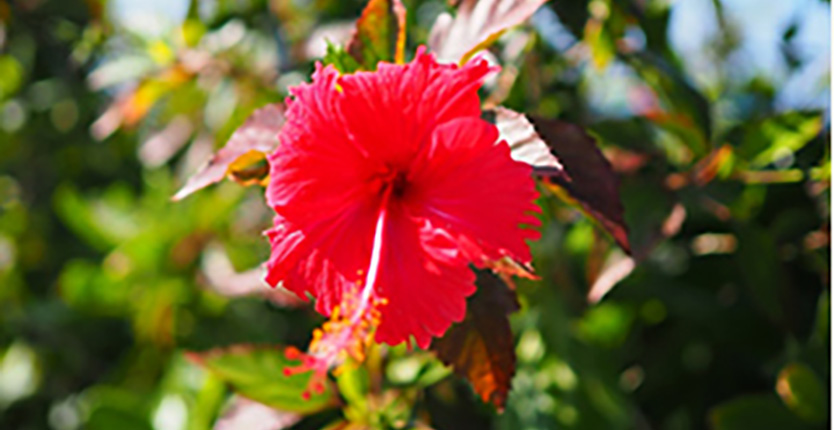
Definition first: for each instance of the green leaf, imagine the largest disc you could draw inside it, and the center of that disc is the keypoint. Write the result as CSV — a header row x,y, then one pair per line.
x,y
340,59
112,407
802,392
12,76
380,34
683,112
770,139
354,384
257,372
606,324
761,270
758,411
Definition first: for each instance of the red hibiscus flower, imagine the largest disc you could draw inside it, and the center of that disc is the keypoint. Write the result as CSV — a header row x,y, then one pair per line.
x,y
386,186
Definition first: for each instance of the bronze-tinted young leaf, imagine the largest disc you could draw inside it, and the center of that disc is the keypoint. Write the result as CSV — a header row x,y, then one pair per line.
x,y
481,347
525,143
380,34
569,158
257,372
587,176
243,157
477,24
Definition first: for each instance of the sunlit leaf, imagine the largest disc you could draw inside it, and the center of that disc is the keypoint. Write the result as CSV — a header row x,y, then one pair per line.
x,y
340,59
380,34
257,372
353,382
12,76
243,157
481,348
767,141
802,392
476,25
524,140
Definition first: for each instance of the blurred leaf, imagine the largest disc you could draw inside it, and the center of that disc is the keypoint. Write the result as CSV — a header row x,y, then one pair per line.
x,y
353,382
481,347
226,281
124,68
602,31
761,269
802,392
606,324
105,418
770,139
757,411
244,154
251,415
11,76
116,408
422,370
86,286
192,30
380,34
586,177
476,25
684,112
257,372
822,323
821,172
102,222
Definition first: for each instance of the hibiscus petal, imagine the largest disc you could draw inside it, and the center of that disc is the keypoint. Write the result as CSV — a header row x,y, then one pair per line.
x,y
392,111
424,277
325,210
401,150
468,184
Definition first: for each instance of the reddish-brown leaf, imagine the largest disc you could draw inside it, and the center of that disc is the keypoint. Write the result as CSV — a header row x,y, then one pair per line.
x,y
477,24
570,160
481,347
244,156
380,34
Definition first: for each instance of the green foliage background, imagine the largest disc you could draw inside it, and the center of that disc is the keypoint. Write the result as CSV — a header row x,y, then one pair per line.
x,y
105,283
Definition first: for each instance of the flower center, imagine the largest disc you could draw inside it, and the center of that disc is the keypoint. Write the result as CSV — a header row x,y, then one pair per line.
x,y
398,184
390,180
348,332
